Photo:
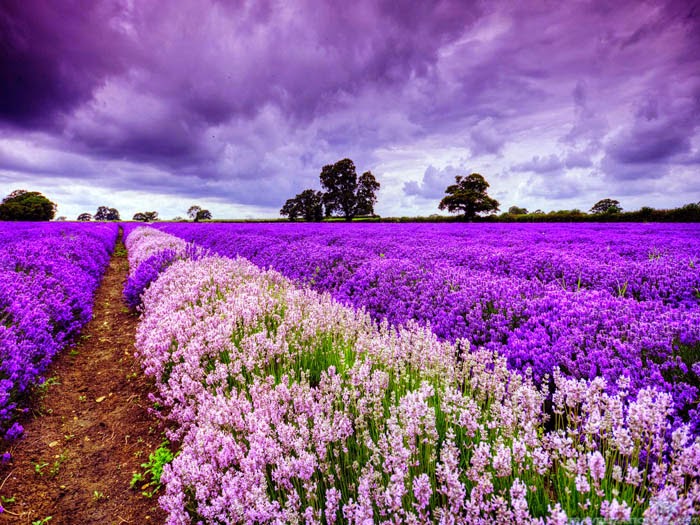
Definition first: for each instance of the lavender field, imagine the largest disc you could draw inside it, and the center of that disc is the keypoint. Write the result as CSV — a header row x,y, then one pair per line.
x,y
594,300
48,274
445,373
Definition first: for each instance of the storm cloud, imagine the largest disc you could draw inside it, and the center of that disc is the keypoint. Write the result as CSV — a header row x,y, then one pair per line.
x,y
238,104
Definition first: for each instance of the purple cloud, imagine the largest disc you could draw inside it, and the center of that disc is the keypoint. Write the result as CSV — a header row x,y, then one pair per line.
x,y
54,55
540,164
433,183
245,101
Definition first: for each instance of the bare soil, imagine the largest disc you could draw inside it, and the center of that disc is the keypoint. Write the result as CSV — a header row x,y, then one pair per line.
x,y
89,428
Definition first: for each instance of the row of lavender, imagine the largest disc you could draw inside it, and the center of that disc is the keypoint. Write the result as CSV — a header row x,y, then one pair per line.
x,y
594,300
290,407
48,274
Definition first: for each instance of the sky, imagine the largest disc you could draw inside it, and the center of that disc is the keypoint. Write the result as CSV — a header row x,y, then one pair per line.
x,y
236,106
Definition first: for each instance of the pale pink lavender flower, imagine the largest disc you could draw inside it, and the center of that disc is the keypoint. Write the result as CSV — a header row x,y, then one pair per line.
x,y
224,342
615,511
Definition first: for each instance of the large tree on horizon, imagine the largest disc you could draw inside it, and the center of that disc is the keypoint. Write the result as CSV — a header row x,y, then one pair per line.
x,y
346,195
469,196
23,205
606,206
339,181
146,216
197,213
367,188
105,213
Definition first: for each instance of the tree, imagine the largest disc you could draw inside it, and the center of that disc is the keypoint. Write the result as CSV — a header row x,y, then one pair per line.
x,y
307,204
340,182
197,213
192,212
85,217
515,210
367,189
606,206
105,213
202,215
62,218
23,205
344,194
146,216
291,209
311,205
468,195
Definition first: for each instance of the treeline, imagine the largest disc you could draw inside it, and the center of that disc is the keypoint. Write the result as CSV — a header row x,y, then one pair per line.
x,y
688,213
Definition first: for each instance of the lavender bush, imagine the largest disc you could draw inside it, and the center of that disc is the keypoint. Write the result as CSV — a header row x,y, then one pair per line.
x,y
290,407
48,274
150,253
594,300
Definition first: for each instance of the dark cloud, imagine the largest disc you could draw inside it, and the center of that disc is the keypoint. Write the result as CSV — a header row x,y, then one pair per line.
x,y
659,135
53,55
656,136
247,100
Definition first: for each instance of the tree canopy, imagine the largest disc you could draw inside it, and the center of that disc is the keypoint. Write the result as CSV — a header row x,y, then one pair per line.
x,y
468,195
23,205
307,204
367,189
85,217
192,212
606,206
344,195
203,215
146,216
516,210
105,213
339,181
197,213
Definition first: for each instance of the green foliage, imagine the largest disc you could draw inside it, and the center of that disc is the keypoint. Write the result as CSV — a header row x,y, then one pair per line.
x,y
515,210
367,188
344,196
85,217
606,206
146,216
468,195
153,470
339,181
120,251
193,210
23,205
39,468
197,213
104,213
203,215
307,204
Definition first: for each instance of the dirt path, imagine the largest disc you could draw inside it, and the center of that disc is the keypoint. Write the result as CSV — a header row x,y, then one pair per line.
x,y
90,429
